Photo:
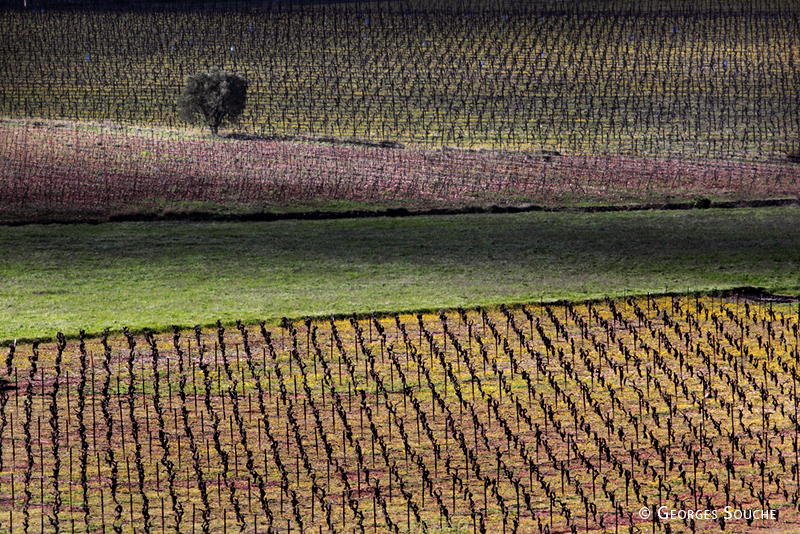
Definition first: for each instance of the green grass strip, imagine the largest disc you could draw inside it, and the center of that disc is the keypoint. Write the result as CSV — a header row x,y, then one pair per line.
x,y
64,278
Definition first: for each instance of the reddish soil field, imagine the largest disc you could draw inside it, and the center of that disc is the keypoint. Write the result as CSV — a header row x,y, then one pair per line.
x,y
63,172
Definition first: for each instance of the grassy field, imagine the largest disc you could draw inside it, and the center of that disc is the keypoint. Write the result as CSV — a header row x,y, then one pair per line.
x,y
64,278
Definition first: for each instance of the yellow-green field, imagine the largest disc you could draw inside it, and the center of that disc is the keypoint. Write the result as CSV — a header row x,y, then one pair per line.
x,y
676,78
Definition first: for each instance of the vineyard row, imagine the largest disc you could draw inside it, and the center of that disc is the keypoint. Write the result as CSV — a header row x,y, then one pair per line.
x,y
546,418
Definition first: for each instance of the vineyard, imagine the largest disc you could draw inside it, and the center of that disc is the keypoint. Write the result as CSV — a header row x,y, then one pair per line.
x,y
103,172
650,413
657,78
413,104
642,414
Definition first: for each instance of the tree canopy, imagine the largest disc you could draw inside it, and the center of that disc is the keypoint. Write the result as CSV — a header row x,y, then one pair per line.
x,y
213,98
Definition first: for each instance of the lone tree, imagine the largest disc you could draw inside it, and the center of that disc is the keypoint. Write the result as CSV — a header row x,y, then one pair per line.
x,y
212,98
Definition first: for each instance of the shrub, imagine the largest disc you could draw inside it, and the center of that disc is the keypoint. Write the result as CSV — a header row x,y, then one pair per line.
x,y
212,98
